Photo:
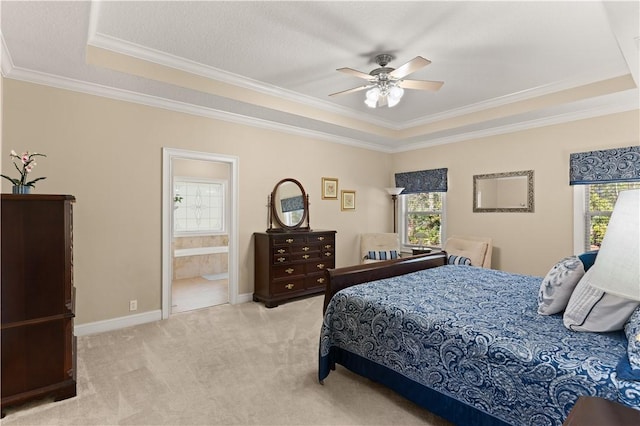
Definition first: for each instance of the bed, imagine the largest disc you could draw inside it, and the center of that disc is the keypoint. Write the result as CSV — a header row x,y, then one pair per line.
x,y
466,343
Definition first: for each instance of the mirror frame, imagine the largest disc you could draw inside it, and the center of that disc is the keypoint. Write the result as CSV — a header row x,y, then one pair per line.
x,y
530,193
273,213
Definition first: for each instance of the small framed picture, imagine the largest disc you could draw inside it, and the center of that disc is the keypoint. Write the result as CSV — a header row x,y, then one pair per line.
x,y
348,198
329,188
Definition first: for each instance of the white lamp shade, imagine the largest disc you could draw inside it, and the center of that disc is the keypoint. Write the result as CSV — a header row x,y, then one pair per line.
x,y
617,266
394,191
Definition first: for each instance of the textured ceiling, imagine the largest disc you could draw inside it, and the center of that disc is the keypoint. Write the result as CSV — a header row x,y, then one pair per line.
x,y
506,65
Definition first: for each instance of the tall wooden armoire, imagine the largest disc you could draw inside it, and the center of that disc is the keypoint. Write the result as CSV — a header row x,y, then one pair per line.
x,y
38,344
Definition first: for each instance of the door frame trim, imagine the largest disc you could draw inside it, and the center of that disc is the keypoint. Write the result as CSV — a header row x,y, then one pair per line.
x,y
169,154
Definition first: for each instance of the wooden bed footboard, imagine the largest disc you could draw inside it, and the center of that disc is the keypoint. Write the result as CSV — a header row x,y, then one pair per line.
x,y
340,278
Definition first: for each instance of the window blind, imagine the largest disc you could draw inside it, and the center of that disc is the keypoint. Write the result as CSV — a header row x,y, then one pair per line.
x,y
434,180
605,166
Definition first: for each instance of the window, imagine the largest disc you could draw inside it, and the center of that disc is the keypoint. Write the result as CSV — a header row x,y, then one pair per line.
x,y
598,204
198,206
421,218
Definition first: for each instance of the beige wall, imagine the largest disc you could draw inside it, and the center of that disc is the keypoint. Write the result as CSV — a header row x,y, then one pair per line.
x,y
528,243
108,154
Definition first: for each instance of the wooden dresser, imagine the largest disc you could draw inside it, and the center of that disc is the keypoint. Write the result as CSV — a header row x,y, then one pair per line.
x,y
291,264
38,345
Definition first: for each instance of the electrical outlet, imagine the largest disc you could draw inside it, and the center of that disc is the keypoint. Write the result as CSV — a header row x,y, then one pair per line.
x,y
133,305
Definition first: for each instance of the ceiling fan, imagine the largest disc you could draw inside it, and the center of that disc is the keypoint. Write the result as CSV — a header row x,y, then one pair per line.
x,y
386,85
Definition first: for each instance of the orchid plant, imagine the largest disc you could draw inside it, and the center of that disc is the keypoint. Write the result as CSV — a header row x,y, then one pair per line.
x,y
28,163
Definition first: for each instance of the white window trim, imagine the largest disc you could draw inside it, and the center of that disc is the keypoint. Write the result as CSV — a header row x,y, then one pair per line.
x,y
579,215
401,226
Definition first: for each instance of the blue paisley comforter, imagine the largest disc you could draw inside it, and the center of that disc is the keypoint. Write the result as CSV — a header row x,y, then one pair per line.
x,y
474,336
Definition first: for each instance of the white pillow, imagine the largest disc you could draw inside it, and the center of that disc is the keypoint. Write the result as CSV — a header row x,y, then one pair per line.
x,y
591,309
558,284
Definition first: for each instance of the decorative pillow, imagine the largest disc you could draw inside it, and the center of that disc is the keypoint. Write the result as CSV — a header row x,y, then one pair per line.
x,y
458,260
591,309
382,255
558,284
588,259
474,250
632,330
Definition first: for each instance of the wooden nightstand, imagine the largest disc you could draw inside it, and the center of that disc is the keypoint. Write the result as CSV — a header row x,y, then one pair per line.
x,y
592,411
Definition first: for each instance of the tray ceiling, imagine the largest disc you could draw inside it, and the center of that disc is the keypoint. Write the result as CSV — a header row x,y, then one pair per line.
x,y
506,65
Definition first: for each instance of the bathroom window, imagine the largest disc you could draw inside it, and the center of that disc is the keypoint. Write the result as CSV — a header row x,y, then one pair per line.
x,y
198,206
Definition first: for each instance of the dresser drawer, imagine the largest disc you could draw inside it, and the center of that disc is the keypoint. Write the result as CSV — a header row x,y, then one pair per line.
x,y
306,257
314,281
286,271
319,266
328,254
287,285
281,259
287,240
328,237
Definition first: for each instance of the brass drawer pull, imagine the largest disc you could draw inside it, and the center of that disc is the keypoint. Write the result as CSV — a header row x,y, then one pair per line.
x,y
320,238
289,286
281,259
328,246
306,256
281,251
305,248
289,240
320,280
320,265
289,270
328,254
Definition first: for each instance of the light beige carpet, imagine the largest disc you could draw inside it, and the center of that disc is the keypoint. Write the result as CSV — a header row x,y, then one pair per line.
x,y
225,365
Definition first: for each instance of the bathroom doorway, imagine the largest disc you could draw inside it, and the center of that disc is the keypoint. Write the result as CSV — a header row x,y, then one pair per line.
x,y
199,230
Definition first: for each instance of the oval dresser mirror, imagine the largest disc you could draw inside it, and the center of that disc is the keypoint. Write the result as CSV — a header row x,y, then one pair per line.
x,y
288,207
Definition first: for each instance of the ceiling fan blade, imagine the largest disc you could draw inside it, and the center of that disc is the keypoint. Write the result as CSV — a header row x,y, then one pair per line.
x,y
355,89
421,84
412,66
355,73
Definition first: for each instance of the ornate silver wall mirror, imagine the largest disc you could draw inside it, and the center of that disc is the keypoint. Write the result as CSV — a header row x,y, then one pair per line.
x,y
288,207
503,192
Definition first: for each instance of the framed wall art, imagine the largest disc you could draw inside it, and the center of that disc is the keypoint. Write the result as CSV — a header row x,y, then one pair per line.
x,y
348,200
329,188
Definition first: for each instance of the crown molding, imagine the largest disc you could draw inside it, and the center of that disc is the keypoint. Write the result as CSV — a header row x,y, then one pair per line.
x,y
629,103
6,62
524,95
183,107
144,53
9,70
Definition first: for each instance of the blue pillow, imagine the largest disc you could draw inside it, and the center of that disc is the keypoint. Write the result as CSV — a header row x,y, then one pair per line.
x,y
458,260
588,259
382,255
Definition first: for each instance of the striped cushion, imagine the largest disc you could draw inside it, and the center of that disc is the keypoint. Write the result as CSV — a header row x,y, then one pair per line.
x,y
382,255
458,260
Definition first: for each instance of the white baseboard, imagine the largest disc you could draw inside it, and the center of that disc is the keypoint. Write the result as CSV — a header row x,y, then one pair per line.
x,y
117,323
244,298
137,319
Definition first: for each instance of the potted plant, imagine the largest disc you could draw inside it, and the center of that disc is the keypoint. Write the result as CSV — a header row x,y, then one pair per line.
x,y
21,185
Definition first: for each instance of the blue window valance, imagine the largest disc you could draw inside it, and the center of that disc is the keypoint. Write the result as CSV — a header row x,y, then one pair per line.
x,y
292,204
434,180
606,166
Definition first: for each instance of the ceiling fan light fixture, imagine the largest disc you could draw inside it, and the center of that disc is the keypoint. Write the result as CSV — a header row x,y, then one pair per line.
x,y
372,96
371,103
394,96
